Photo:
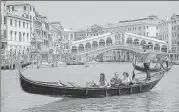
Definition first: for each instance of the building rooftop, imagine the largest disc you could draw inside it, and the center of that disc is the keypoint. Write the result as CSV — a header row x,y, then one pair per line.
x,y
65,29
95,37
17,4
148,18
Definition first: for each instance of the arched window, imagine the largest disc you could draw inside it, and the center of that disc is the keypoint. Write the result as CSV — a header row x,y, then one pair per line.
x,y
12,8
25,8
11,35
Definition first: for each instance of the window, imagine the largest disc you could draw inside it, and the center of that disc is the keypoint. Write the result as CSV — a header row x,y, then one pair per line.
x,y
139,28
20,37
147,27
24,37
19,24
24,8
5,20
15,23
27,37
33,9
15,35
157,34
10,21
23,24
4,33
30,9
30,17
12,8
11,36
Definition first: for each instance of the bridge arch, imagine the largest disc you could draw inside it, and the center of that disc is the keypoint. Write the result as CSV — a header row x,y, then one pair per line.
x,y
87,46
142,42
150,45
114,55
81,48
95,45
74,49
118,55
129,40
156,47
101,43
108,41
136,42
164,48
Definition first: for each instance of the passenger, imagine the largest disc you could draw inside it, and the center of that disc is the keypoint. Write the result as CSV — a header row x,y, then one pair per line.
x,y
102,80
115,81
126,80
157,66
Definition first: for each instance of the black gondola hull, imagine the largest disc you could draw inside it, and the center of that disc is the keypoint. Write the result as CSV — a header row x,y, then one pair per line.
x,y
52,88
80,63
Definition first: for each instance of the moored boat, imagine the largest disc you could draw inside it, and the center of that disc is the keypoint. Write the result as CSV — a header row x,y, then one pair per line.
x,y
56,89
7,67
75,63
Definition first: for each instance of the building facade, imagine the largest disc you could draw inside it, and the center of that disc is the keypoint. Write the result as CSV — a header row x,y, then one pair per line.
x,y
89,32
145,27
18,31
3,26
169,29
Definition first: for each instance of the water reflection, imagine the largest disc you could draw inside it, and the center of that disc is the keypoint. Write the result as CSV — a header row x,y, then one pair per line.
x,y
150,101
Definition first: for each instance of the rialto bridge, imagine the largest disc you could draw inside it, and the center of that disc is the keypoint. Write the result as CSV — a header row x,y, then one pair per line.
x,y
115,45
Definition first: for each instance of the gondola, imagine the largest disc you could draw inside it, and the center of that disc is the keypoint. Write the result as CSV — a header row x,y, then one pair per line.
x,y
6,67
139,68
56,89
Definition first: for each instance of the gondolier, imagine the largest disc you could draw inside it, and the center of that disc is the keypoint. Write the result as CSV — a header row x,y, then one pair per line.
x,y
166,60
146,59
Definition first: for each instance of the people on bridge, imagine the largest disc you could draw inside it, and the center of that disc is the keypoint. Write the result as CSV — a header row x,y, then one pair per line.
x,y
115,81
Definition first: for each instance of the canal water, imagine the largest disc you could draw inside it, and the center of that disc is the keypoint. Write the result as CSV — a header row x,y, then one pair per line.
x,y
164,97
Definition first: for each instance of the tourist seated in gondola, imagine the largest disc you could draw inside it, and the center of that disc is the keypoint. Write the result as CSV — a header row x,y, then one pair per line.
x,y
102,80
126,80
115,81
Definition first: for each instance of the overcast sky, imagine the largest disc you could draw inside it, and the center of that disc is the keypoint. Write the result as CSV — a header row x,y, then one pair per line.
x,y
79,14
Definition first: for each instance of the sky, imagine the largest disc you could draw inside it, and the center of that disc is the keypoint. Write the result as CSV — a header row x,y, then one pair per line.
x,y
80,14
